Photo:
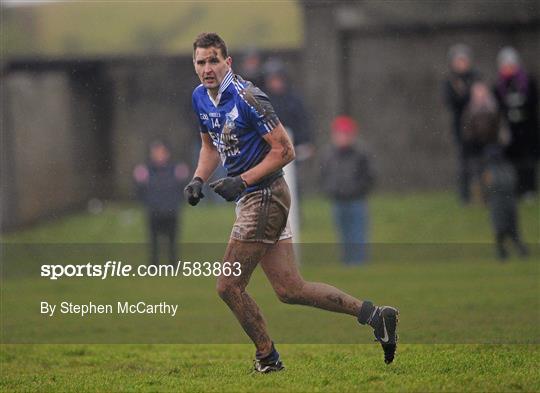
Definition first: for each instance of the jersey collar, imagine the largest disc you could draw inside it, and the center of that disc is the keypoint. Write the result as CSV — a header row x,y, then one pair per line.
x,y
227,80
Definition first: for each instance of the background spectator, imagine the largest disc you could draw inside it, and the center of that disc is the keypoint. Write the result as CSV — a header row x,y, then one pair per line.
x,y
457,92
347,179
291,111
499,180
289,107
251,67
518,96
159,187
481,126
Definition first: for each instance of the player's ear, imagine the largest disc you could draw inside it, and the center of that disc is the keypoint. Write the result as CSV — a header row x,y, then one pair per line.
x,y
228,60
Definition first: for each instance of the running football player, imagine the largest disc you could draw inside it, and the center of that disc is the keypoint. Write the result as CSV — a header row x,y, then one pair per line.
x,y
239,127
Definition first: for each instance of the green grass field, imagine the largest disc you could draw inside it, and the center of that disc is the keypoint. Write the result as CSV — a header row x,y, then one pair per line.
x,y
468,322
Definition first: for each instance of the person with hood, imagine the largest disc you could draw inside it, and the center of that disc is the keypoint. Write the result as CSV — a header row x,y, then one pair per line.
x,y
457,89
290,106
251,66
517,94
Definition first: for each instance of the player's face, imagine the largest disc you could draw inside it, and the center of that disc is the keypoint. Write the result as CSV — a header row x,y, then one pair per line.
x,y
211,67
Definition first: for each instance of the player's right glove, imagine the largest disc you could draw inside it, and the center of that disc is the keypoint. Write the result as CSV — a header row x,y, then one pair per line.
x,y
229,188
193,191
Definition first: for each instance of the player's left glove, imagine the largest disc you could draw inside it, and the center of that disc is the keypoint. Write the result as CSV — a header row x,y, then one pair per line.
x,y
229,188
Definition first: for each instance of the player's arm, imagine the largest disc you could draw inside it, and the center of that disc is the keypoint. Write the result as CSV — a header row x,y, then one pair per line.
x,y
280,154
264,120
208,162
208,158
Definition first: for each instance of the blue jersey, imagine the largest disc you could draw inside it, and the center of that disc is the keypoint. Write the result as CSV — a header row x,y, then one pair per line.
x,y
236,121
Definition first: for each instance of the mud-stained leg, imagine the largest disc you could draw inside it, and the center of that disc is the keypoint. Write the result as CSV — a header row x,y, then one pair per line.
x,y
233,291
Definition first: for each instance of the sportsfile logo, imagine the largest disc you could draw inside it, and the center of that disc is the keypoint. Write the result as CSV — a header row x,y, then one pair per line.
x,y
120,269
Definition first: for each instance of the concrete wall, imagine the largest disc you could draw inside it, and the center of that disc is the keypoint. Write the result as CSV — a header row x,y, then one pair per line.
x,y
74,131
40,152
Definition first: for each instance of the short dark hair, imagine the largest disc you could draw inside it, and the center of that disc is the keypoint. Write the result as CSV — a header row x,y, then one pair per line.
x,y
207,40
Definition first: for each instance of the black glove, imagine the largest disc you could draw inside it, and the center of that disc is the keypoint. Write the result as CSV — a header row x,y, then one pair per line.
x,y
229,188
193,191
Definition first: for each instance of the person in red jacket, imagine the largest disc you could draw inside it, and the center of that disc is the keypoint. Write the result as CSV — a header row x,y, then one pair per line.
x,y
347,179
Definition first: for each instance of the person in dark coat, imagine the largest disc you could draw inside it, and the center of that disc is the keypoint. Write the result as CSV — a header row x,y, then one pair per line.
x,y
159,187
347,179
290,108
251,67
293,115
499,179
518,97
457,89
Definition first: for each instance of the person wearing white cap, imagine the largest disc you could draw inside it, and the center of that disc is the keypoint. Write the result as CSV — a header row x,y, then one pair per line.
x,y
517,94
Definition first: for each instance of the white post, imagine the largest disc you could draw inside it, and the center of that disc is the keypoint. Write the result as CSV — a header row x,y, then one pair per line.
x,y
294,219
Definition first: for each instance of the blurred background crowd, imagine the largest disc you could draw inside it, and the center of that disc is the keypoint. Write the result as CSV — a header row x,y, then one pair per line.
x,y
390,96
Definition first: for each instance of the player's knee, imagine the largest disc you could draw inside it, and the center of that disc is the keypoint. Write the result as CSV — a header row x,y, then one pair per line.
x,y
288,295
226,290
